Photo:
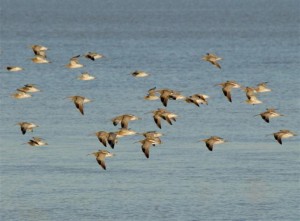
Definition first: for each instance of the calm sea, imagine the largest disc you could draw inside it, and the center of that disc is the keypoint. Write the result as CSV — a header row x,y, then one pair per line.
x,y
251,177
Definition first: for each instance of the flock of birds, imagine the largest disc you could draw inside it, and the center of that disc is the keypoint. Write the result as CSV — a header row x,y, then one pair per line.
x,y
151,138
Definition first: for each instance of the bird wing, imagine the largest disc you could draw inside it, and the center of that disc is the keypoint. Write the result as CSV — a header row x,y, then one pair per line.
x,y
164,99
124,122
226,92
265,118
101,162
103,139
215,63
23,129
146,147
112,139
117,120
157,120
79,104
209,145
278,138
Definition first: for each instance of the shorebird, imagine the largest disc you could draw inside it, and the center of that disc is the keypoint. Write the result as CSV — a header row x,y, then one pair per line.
x,y
14,68
125,132
37,141
40,59
151,94
269,113
166,94
139,74
26,126
283,134
163,114
212,59
102,137
85,76
21,95
226,88
38,48
262,87
79,101
253,100
250,91
100,157
74,62
93,56
197,99
29,88
147,143
151,134
210,142
124,119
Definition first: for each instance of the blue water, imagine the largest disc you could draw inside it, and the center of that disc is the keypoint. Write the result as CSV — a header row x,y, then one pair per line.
x,y
251,177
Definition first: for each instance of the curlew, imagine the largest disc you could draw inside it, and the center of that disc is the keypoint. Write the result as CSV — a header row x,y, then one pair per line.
x,y
210,142
165,115
100,157
79,101
262,87
102,137
21,95
226,88
29,88
37,141
26,126
213,59
139,74
124,119
269,113
253,100
93,56
283,134
38,59
14,68
151,94
85,76
74,62
147,143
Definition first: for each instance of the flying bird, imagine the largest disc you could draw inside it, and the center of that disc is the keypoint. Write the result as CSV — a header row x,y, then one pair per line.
x,y
100,157
210,142
282,134
213,59
26,126
79,101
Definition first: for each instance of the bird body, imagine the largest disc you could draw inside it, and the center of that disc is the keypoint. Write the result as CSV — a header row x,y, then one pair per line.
x,y
14,68
269,113
213,59
37,141
85,76
283,134
93,56
21,95
38,59
226,88
74,62
79,101
139,74
262,87
151,95
29,88
124,119
210,142
100,157
26,126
